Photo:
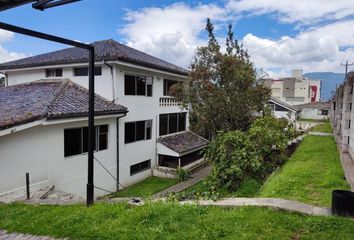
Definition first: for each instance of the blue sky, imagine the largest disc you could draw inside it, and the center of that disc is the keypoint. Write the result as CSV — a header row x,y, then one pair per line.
x,y
173,29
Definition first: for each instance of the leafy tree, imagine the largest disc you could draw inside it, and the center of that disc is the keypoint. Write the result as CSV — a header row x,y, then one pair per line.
x,y
222,89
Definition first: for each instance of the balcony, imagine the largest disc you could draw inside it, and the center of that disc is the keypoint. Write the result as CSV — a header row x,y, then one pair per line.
x,y
169,102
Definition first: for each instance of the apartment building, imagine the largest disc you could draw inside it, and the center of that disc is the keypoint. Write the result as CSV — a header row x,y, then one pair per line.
x,y
296,89
151,138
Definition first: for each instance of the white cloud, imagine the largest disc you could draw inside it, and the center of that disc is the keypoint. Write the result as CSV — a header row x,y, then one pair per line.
x,y
6,36
304,11
6,55
171,32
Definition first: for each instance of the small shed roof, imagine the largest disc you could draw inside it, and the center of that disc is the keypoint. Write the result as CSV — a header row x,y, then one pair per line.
x,y
183,142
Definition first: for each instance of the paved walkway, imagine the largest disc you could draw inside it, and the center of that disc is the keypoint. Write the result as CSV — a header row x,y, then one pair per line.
x,y
276,203
19,236
320,134
194,179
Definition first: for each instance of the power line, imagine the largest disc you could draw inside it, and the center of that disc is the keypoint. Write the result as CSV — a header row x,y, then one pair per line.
x,y
308,31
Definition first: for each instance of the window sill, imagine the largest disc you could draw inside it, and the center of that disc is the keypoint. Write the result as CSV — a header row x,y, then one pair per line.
x,y
84,154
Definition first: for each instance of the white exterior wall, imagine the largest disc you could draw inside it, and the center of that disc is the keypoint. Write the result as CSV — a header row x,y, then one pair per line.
x,y
103,83
139,107
40,151
312,113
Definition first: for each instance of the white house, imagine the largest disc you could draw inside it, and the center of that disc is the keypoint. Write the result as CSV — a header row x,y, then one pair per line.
x,y
281,109
136,80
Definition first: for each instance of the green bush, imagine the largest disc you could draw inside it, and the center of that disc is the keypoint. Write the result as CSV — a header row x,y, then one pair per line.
x,y
255,153
234,157
182,174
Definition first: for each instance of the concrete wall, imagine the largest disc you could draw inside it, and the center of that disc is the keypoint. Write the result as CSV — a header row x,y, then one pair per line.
x,y
40,151
312,113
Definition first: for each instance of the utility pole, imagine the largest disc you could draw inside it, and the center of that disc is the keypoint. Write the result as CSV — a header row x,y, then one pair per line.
x,y
346,67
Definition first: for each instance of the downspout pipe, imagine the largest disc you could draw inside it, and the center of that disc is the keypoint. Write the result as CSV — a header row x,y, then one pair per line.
x,y
118,162
112,79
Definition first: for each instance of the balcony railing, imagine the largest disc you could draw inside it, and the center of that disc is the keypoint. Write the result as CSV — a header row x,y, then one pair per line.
x,y
169,102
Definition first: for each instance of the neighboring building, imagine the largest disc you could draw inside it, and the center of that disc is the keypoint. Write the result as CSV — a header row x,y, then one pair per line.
x,y
281,109
42,132
314,110
295,89
341,115
129,77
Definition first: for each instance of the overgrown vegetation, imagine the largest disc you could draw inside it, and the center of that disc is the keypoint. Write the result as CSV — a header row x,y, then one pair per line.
x,y
146,188
169,221
255,153
222,88
310,175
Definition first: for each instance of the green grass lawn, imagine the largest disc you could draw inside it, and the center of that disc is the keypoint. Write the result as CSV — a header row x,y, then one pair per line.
x,y
145,188
310,175
169,221
323,127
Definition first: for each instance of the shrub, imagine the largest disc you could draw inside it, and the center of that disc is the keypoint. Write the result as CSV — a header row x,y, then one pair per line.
x,y
233,157
256,153
182,174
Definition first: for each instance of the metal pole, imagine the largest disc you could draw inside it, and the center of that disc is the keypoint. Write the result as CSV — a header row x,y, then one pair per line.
x,y
28,186
91,128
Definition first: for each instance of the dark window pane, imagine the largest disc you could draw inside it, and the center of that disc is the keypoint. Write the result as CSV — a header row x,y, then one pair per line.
x,y
49,73
103,128
172,123
149,90
139,167
163,124
129,132
181,122
148,129
98,71
84,139
102,137
78,72
140,130
58,72
149,82
140,86
103,141
129,85
72,142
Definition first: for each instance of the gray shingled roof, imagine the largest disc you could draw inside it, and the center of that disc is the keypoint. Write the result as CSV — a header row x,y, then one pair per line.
x,y
183,142
104,50
284,104
51,99
318,105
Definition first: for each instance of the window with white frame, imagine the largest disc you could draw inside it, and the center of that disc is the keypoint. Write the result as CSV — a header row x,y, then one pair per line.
x,y
137,131
76,139
83,71
172,122
137,85
53,72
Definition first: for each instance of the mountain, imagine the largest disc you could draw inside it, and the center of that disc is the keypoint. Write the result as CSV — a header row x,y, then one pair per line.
x,y
329,82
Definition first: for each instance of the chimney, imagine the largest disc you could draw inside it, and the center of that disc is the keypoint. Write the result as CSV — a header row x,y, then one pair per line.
x,y
297,73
